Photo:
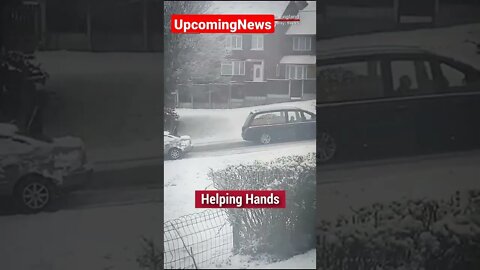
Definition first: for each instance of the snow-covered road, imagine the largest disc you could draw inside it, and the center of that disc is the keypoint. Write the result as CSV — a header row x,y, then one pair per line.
x,y
345,186
183,177
94,238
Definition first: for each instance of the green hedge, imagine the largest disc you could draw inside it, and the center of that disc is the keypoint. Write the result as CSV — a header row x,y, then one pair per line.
x,y
278,232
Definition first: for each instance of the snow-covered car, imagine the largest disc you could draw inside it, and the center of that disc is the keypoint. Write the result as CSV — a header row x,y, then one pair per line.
x,y
175,147
35,171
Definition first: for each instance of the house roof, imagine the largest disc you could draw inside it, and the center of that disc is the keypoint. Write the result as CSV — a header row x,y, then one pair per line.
x,y
308,21
249,7
299,59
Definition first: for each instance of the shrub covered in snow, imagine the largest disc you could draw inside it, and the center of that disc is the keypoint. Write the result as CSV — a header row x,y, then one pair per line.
x,y
278,232
407,234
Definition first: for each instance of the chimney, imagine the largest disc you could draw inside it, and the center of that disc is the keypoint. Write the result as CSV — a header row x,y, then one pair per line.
x,y
294,7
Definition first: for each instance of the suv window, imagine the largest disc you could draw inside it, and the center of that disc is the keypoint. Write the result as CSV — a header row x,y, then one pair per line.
x,y
412,77
269,118
349,81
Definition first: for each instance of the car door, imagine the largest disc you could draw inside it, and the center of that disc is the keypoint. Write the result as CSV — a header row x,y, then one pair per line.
x,y
349,97
305,124
458,99
389,128
273,123
294,125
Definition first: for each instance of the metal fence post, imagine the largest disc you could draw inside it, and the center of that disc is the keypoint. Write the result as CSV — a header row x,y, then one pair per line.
x,y
236,234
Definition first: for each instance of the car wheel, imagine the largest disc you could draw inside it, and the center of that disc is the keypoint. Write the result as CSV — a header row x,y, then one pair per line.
x,y
265,138
175,153
326,147
34,194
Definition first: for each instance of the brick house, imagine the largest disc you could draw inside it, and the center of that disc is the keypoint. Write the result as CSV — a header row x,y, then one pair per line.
x,y
275,66
265,68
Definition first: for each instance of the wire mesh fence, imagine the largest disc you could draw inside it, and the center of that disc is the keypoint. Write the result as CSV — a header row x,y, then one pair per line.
x,y
200,240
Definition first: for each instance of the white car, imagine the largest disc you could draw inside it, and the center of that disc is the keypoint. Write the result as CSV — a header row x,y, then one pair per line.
x,y
175,147
35,171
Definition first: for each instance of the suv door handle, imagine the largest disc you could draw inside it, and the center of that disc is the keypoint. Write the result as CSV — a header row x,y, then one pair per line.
x,y
401,107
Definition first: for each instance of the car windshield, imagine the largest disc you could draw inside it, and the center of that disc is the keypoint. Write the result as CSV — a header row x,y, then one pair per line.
x,y
248,119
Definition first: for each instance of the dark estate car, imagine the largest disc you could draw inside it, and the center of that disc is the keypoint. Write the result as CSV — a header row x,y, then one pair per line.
x,y
280,123
379,101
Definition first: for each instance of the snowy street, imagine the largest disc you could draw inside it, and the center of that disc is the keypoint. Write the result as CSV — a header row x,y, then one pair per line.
x,y
89,223
343,187
91,238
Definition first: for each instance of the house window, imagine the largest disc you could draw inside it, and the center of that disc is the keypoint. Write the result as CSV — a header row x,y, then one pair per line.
x,y
233,68
257,42
234,42
302,43
296,72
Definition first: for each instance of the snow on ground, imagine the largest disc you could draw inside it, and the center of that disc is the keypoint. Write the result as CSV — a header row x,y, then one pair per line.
x,y
415,178
106,98
95,238
302,261
110,100
448,41
223,125
183,177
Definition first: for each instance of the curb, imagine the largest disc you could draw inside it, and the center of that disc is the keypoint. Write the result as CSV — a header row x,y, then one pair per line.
x,y
196,148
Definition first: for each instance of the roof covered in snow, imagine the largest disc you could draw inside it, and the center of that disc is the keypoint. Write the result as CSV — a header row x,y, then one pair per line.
x,y
249,7
299,59
308,21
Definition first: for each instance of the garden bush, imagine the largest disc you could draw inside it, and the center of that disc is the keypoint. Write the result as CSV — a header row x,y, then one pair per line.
x,y
423,234
278,232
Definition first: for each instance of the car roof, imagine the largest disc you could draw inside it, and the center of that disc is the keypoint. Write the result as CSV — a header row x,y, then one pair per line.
x,y
276,108
369,50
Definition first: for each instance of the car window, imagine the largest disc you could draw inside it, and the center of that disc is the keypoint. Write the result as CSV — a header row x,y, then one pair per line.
x,y
349,81
452,77
307,116
168,138
294,116
269,118
412,77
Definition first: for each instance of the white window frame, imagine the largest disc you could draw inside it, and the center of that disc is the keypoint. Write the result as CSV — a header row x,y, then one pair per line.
x,y
235,42
301,70
240,68
256,44
307,43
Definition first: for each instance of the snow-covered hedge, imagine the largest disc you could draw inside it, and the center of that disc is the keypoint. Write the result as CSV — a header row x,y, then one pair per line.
x,y
408,234
278,232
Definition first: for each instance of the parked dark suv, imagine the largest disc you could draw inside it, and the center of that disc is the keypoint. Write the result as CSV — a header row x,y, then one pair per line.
x,y
281,123
379,101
